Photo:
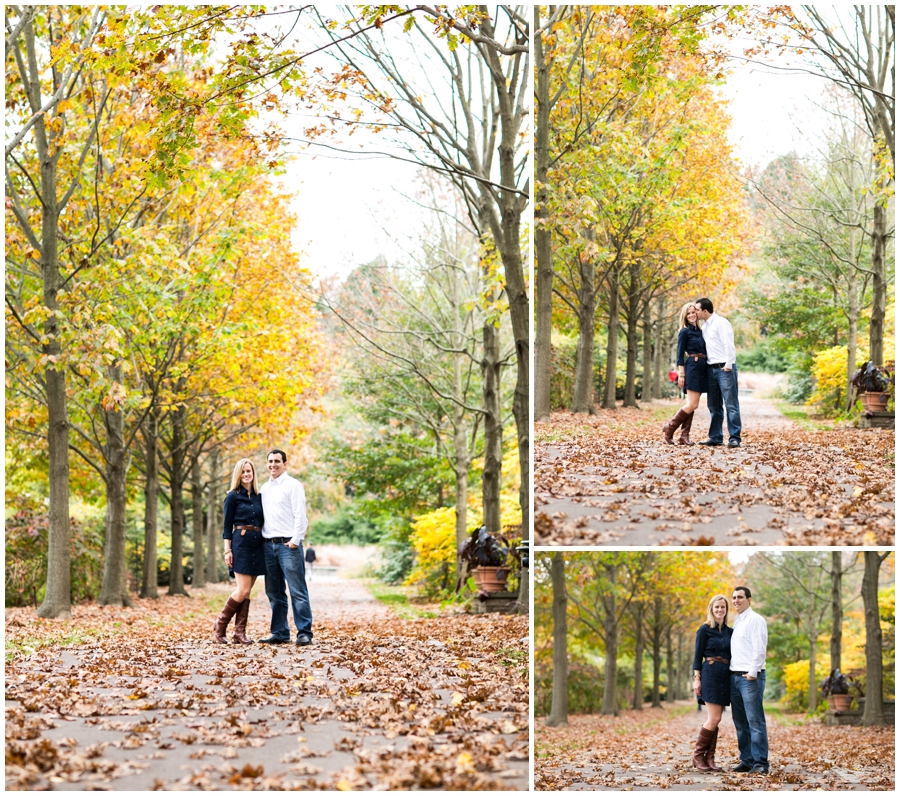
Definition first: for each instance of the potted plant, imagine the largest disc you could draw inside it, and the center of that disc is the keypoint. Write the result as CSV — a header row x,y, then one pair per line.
x,y
836,688
486,555
873,385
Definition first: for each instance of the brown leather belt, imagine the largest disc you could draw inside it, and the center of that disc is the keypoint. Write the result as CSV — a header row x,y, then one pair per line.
x,y
244,528
716,658
697,356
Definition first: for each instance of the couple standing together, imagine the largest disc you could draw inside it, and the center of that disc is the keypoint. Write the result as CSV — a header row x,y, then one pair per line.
x,y
730,669
706,364
263,532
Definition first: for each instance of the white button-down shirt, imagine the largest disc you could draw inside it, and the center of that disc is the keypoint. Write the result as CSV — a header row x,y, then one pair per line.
x,y
719,338
748,643
284,508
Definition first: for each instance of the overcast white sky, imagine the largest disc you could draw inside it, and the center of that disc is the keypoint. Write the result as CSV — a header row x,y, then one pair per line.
x,y
344,204
767,106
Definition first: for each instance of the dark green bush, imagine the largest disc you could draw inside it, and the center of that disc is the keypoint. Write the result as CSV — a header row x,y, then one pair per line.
x,y
26,557
562,379
397,561
762,358
799,387
346,526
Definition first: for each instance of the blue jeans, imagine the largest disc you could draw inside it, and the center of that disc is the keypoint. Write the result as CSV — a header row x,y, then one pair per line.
x,y
723,387
286,564
749,719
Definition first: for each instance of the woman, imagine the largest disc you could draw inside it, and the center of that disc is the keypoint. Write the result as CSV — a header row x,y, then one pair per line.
x,y
243,548
691,374
712,678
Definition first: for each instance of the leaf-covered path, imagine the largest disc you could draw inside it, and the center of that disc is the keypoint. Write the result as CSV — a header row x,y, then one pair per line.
x,y
611,479
145,699
651,750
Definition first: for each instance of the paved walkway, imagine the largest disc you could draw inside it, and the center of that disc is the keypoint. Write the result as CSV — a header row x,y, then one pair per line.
x,y
375,703
626,486
650,750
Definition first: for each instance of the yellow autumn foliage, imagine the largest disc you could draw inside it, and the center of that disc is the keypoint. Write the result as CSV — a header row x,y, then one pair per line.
x,y
795,677
434,534
829,373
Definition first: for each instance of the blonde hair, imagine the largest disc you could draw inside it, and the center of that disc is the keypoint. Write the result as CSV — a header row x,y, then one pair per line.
x,y
236,477
684,312
710,619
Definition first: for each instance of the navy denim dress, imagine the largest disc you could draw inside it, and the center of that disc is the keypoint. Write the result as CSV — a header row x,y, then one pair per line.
x,y
242,508
690,341
715,677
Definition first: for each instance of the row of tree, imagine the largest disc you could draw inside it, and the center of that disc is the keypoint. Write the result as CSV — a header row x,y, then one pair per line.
x,y
151,320
640,206
600,606
158,319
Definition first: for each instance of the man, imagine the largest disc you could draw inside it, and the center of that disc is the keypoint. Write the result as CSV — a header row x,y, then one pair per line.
x,y
748,683
310,559
721,369
284,526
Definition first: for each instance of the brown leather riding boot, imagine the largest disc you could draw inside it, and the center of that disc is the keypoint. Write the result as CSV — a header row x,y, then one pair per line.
x,y
230,609
702,748
685,438
670,427
240,624
711,752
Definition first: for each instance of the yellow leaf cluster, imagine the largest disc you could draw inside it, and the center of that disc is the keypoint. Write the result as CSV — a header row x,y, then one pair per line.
x,y
433,535
795,677
830,374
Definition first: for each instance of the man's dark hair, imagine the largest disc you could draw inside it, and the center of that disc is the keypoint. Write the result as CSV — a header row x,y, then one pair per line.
x,y
743,589
283,455
705,304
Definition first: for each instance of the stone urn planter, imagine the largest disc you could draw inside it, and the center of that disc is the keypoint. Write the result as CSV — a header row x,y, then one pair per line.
x,y
875,401
491,579
839,702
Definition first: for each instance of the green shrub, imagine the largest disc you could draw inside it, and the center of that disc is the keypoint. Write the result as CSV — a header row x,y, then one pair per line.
x,y
762,358
346,526
26,556
798,387
397,556
562,369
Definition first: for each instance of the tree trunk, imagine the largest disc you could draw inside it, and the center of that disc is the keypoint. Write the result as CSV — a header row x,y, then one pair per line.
x,y
462,460
879,284
583,396
647,375
559,705
57,600
542,237
114,590
671,690
149,581
611,637
507,236
612,341
631,336
493,452
873,713
199,578
837,611
658,349
176,571
683,666
461,473
638,701
812,694
657,652
212,520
